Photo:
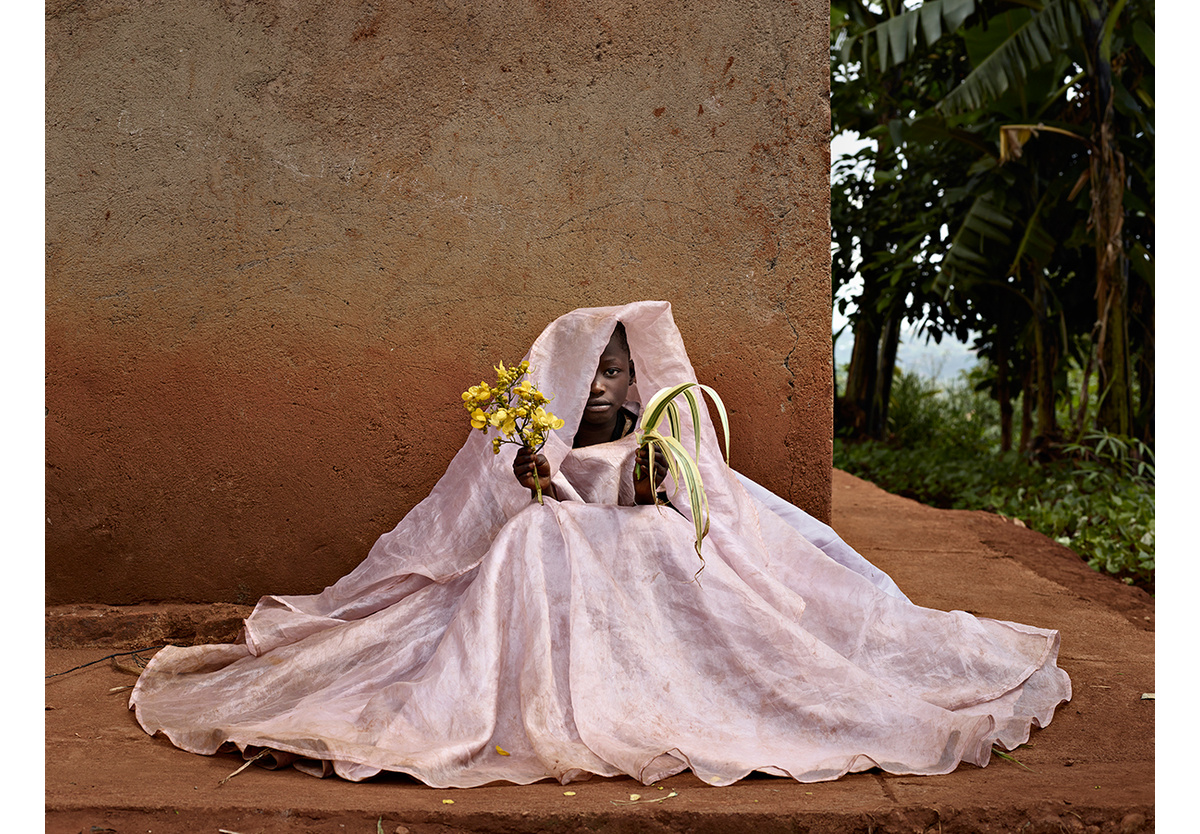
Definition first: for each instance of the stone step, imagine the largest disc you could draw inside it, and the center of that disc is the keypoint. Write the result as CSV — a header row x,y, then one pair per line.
x,y
85,626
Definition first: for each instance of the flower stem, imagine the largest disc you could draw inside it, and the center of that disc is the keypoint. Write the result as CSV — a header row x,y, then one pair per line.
x,y
537,476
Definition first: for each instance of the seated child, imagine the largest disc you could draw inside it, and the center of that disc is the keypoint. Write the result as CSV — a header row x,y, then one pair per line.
x,y
605,419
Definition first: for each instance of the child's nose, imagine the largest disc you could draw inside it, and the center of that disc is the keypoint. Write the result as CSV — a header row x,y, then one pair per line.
x,y
597,384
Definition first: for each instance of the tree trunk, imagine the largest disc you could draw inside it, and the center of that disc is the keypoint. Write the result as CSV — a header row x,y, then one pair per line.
x,y
1145,368
860,404
1004,397
855,405
889,343
1044,363
1004,377
1115,406
1027,397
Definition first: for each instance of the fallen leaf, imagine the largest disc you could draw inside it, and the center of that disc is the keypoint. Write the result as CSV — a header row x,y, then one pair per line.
x,y
249,762
1147,696
502,751
568,793
1009,758
634,797
447,801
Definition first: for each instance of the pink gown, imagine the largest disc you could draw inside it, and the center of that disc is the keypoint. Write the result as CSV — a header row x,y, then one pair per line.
x,y
573,637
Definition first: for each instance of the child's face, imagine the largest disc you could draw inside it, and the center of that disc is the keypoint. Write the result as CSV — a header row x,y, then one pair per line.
x,y
610,386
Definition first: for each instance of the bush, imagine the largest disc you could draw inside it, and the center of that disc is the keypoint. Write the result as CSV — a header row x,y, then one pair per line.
x,y
1096,497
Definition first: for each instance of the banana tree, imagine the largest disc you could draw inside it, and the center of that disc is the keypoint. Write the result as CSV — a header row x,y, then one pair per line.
x,y
886,219
1079,42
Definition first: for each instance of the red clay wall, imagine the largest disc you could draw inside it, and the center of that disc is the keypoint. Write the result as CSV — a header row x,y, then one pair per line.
x,y
282,236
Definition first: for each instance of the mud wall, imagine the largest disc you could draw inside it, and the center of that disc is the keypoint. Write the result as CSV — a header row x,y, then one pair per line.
x,y
283,235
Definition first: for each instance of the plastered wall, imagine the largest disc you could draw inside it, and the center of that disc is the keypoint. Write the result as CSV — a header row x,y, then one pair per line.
x,y
282,237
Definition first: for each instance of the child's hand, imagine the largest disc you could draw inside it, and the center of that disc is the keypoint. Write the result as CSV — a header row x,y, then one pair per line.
x,y
642,488
530,469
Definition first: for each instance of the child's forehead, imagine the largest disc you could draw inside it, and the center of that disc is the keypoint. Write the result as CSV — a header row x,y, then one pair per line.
x,y
614,350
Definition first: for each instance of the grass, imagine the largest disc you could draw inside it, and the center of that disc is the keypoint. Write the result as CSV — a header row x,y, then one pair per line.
x,y
1096,496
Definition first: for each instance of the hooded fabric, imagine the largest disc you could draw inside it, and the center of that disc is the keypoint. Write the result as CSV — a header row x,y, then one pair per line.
x,y
489,638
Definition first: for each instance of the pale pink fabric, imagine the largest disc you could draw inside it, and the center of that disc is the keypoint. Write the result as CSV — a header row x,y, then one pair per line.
x,y
573,636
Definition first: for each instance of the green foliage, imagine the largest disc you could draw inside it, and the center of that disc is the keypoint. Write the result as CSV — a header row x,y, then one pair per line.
x,y
683,467
955,416
1096,496
979,207
1029,41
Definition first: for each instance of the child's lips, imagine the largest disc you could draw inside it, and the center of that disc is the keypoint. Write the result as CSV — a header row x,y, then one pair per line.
x,y
598,407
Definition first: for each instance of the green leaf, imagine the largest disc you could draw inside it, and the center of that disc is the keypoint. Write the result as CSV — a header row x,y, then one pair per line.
x,y
687,476
1143,36
1032,44
1037,246
694,408
931,22
1106,36
983,222
954,12
682,466
673,418
660,402
897,36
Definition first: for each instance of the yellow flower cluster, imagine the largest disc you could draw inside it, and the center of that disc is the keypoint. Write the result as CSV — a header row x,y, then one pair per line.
x,y
514,406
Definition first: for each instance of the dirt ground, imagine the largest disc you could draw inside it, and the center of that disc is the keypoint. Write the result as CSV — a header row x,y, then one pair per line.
x,y
1091,770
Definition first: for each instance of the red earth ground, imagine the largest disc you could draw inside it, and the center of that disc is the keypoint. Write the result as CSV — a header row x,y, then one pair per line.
x,y
1091,770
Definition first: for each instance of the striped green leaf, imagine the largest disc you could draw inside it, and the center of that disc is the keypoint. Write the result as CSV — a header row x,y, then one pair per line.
x,y
682,466
688,479
662,405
